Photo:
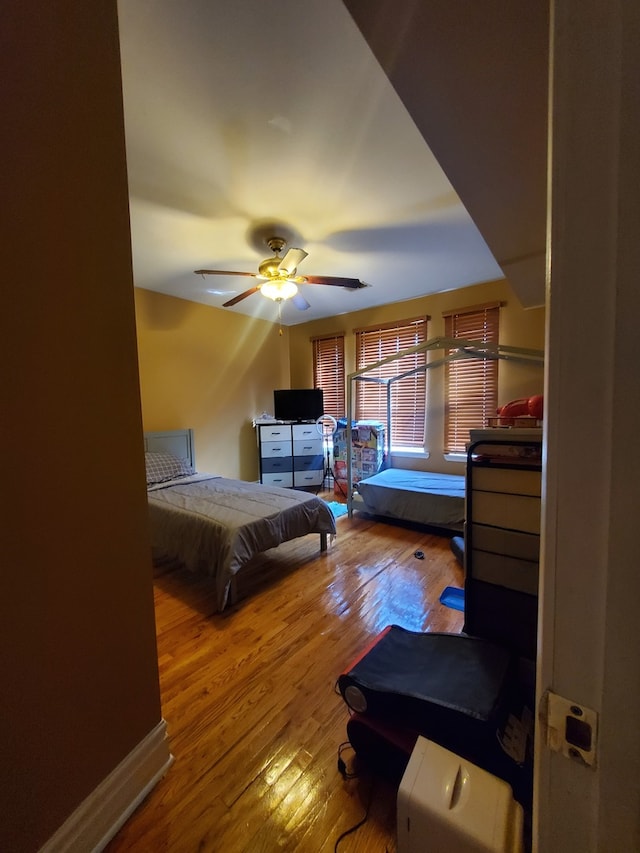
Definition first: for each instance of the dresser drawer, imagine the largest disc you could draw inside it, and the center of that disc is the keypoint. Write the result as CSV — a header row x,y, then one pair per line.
x,y
275,432
515,512
308,463
509,572
308,478
303,432
513,543
285,480
276,464
270,449
512,480
307,447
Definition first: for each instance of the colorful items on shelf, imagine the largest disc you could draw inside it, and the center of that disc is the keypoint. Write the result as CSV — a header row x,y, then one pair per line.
x,y
367,451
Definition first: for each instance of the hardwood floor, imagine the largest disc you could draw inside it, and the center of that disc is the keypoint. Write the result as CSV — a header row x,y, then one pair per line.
x,y
249,695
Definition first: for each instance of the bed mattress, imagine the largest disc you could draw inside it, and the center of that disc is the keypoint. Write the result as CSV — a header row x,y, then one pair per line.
x,y
418,496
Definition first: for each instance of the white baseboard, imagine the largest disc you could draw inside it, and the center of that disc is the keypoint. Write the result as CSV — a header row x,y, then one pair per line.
x,y
97,819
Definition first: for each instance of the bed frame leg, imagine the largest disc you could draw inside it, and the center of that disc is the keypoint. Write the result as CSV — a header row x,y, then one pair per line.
x,y
323,541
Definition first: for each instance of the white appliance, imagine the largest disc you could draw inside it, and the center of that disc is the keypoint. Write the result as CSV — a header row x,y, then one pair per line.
x,y
448,805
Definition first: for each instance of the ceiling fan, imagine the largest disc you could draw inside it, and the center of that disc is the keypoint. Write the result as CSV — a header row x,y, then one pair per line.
x,y
279,279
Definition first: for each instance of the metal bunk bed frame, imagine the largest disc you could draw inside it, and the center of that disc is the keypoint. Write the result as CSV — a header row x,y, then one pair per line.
x,y
459,348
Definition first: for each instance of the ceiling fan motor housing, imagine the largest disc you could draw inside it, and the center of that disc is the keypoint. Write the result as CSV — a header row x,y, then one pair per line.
x,y
270,268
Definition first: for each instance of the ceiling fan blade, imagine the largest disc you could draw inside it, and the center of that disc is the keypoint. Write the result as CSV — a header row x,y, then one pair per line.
x,y
224,272
337,281
240,297
291,260
300,302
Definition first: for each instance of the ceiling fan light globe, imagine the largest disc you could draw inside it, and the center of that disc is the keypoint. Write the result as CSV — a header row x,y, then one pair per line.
x,y
279,290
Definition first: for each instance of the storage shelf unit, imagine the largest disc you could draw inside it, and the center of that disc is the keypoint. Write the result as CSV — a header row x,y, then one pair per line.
x,y
367,451
502,541
291,455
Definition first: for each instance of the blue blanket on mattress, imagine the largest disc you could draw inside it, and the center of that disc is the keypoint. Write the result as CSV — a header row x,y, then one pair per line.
x,y
418,496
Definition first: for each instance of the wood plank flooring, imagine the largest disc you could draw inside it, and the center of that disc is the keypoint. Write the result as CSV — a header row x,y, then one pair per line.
x,y
249,696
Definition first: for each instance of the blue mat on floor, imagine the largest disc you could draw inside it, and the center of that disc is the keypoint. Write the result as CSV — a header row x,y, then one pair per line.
x,y
337,508
453,597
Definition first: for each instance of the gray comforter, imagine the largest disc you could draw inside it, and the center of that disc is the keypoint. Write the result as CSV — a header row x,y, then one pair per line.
x,y
214,525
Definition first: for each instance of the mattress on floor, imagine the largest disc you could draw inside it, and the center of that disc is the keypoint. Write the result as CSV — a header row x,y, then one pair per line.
x,y
418,496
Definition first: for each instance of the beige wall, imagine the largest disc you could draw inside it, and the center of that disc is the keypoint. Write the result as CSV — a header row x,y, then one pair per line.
x,y
77,639
210,369
213,370
518,327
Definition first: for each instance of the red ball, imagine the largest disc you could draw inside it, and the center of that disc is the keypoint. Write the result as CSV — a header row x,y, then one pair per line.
x,y
536,407
515,409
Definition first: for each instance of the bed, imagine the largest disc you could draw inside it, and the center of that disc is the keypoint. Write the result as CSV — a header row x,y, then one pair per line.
x,y
436,500
214,525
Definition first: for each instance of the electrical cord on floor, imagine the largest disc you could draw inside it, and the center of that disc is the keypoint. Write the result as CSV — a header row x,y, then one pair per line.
x,y
342,769
360,822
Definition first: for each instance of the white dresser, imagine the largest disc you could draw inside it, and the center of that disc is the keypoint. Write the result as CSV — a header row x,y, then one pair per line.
x,y
291,455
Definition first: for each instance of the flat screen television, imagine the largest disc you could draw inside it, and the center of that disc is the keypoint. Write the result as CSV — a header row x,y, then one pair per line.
x,y
298,404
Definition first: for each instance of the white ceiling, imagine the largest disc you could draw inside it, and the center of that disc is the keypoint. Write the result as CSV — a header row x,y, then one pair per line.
x,y
241,112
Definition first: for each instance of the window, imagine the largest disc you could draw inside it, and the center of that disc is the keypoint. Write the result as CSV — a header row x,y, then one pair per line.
x,y
408,395
471,384
328,372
